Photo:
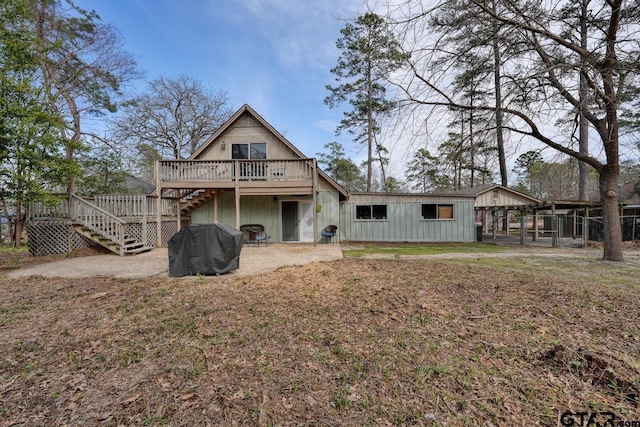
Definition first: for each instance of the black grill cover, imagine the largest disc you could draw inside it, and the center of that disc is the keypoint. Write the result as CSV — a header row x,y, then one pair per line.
x,y
204,249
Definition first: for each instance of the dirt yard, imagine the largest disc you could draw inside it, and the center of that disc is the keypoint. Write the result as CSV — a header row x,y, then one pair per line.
x,y
503,342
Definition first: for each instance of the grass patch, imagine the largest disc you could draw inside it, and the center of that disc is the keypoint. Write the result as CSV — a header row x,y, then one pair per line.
x,y
422,249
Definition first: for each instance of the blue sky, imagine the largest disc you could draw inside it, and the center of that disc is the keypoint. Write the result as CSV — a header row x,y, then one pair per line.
x,y
274,55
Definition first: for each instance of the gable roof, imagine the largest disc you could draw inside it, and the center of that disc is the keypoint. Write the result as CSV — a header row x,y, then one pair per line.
x,y
247,109
477,191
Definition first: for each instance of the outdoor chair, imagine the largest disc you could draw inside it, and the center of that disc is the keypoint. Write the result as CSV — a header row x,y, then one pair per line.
x,y
254,233
329,232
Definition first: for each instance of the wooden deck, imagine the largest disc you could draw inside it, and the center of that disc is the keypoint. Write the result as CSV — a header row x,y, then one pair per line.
x,y
251,177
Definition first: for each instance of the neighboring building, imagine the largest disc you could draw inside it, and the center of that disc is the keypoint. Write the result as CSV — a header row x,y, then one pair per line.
x,y
497,197
135,185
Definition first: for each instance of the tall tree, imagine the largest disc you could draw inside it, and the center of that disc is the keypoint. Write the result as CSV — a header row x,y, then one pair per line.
x,y
102,172
478,45
84,66
175,116
497,85
547,82
340,168
423,173
31,164
369,53
583,123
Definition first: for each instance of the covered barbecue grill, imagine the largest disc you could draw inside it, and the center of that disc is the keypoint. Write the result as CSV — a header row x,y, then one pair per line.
x,y
204,249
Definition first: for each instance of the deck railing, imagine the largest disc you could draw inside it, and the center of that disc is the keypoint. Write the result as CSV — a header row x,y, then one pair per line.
x,y
120,205
229,170
97,220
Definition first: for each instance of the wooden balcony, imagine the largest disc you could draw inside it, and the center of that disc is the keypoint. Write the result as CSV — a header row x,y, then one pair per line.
x,y
287,176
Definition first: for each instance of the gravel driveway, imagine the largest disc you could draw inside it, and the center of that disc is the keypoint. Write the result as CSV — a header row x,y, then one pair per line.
x,y
253,260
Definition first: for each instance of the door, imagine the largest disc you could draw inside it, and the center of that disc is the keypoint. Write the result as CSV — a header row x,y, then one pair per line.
x,y
297,221
306,222
290,221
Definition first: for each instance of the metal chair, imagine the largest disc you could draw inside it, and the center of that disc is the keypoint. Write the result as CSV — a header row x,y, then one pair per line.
x,y
254,233
330,232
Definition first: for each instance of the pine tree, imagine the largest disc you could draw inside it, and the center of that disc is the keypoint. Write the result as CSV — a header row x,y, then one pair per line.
x,y
369,53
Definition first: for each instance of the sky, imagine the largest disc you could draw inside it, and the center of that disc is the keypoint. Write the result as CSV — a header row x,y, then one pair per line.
x,y
274,55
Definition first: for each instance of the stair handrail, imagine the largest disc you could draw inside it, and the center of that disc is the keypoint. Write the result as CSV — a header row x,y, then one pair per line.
x,y
97,220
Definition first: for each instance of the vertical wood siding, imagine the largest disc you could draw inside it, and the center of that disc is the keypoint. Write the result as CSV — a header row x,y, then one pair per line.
x,y
263,210
404,223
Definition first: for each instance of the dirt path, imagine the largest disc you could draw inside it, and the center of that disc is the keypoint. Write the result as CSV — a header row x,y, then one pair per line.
x,y
253,260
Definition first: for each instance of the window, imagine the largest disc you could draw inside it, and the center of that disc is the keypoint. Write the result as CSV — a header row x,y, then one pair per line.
x,y
371,212
437,211
254,151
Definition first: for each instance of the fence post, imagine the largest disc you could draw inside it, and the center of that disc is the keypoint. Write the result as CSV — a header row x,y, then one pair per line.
x,y
586,226
523,227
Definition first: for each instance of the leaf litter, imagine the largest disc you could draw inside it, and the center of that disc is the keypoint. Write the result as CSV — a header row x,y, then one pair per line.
x,y
352,342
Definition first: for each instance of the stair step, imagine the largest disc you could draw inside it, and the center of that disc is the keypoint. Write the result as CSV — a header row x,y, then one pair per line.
x,y
138,250
132,245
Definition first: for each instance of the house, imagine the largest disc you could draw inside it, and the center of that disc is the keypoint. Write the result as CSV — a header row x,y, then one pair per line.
x,y
247,173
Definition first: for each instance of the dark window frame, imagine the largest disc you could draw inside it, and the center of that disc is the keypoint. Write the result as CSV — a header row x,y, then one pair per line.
x,y
431,211
235,148
372,212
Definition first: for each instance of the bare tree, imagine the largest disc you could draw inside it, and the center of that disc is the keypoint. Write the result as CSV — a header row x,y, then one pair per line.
x,y
542,81
175,116
83,67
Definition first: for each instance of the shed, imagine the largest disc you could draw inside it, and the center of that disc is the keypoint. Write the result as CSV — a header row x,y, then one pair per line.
x,y
393,217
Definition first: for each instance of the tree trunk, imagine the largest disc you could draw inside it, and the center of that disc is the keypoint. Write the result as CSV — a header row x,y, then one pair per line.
x,y
612,230
18,224
497,63
472,151
583,136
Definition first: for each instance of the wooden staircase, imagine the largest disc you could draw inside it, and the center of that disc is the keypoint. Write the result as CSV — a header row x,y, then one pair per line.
x,y
102,227
195,199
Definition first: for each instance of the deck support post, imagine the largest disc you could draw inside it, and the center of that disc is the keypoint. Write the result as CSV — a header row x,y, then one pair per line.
x,y
158,205
315,203
215,207
237,186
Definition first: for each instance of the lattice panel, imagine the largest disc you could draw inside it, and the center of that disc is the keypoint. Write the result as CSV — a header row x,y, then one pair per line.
x,y
57,237
134,230
48,238
152,237
78,241
169,228
54,237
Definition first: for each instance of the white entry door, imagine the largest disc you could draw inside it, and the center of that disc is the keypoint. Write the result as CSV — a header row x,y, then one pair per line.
x,y
306,222
297,221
